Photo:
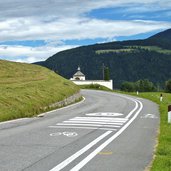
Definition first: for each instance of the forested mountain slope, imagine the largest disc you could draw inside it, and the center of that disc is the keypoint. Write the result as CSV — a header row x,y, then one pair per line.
x,y
127,60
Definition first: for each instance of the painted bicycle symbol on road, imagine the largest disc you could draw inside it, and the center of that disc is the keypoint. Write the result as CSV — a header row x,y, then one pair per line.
x,y
68,134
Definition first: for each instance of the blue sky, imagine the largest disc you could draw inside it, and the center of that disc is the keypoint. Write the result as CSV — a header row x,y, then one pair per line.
x,y
32,30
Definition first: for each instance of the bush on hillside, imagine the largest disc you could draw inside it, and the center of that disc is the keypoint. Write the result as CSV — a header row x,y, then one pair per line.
x,y
140,85
145,86
168,86
128,86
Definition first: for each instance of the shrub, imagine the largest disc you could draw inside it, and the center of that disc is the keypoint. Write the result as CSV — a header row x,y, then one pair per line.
x,y
168,86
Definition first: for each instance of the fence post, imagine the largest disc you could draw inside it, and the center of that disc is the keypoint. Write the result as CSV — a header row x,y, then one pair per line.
x,y
169,114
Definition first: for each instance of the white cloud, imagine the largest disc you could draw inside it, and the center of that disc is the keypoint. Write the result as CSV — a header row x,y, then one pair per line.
x,y
75,28
62,20
69,8
30,54
55,21
57,31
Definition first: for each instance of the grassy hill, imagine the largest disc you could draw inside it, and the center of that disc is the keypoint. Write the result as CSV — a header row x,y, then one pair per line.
x,y
27,89
127,60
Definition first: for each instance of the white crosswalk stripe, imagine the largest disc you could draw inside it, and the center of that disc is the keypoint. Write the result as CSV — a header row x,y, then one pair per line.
x,y
88,122
102,123
94,119
103,118
75,127
96,125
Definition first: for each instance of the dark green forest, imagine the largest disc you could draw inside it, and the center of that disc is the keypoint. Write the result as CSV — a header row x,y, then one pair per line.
x,y
127,60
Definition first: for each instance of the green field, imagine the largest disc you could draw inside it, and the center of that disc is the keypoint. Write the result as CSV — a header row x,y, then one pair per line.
x,y
130,49
27,90
127,50
152,48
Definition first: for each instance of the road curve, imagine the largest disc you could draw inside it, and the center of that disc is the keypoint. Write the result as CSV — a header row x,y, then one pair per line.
x,y
106,132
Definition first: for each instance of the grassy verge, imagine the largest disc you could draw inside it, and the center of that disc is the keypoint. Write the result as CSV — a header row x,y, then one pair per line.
x,y
162,161
26,90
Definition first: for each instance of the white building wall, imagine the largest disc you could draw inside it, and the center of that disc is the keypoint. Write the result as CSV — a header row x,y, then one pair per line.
x,y
108,84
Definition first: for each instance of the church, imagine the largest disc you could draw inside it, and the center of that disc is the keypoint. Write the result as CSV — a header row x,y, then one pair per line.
x,y
78,75
80,79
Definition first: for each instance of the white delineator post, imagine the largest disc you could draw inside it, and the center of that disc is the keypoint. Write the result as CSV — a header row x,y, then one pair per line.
x,y
169,114
161,97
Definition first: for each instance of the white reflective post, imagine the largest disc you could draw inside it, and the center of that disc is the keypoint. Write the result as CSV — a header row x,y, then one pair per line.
x,y
169,114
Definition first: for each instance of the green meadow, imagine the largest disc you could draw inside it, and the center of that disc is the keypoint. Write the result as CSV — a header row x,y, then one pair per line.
x,y
133,49
27,90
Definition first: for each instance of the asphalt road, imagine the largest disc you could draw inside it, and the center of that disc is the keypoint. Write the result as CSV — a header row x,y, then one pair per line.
x,y
106,132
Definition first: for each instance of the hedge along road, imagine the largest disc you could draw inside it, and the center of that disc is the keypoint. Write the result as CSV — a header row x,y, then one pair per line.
x,y
107,131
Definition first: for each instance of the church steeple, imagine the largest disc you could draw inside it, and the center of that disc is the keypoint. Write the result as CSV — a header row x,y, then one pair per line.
x,y
78,68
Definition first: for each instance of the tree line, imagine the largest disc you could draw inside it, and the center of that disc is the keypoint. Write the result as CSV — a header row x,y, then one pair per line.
x,y
144,85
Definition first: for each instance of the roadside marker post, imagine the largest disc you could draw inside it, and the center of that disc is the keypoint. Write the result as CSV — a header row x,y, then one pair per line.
x,y
161,97
169,114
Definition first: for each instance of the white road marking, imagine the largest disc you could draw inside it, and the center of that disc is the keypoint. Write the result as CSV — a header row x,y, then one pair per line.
x,y
104,114
70,127
136,106
55,134
132,99
77,154
102,118
151,116
129,98
102,146
68,134
93,125
100,122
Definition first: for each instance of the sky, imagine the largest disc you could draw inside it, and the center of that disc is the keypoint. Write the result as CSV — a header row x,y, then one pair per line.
x,y
33,30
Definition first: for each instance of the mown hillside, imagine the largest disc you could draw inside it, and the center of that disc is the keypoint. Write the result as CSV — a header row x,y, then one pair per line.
x,y
127,60
27,89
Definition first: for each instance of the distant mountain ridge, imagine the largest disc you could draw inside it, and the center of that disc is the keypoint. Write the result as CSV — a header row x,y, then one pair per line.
x,y
165,35
127,60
